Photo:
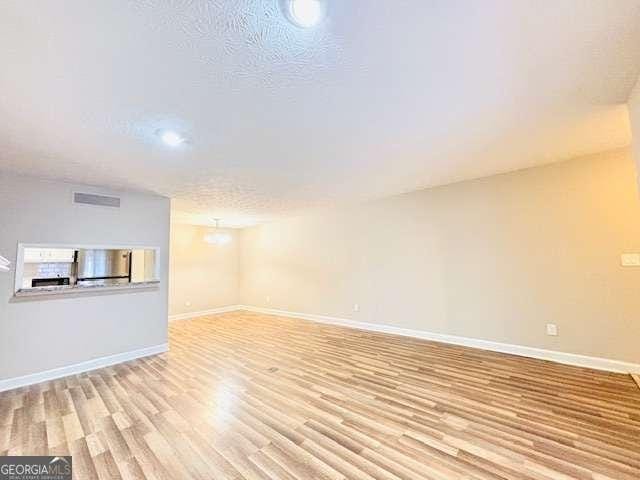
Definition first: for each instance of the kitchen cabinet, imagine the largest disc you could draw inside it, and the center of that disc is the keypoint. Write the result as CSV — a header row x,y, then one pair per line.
x,y
48,255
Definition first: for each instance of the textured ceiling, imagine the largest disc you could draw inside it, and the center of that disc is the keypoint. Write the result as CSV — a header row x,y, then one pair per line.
x,y
383,97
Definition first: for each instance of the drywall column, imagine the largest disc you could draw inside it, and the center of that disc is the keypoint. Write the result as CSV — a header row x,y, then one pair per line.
x,y
38,335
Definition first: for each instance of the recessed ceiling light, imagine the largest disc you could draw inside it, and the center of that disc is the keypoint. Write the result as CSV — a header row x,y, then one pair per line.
x,y
171,138
304,13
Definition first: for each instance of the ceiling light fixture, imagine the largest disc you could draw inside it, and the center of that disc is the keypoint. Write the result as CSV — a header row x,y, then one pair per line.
x,y
217,237
304,13
171,138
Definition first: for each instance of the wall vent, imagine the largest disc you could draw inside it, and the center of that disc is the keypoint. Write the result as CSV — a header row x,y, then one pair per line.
x,y
93,199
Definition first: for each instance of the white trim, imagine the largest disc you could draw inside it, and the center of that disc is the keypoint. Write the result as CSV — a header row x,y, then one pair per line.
x,y
81,367
554,356
115,246
212,311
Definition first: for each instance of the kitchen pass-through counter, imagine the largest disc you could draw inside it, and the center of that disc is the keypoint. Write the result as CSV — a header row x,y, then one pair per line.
x,y
52,270
73,289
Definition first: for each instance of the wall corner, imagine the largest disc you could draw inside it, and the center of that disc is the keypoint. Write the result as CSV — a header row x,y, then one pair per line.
x,y
634,118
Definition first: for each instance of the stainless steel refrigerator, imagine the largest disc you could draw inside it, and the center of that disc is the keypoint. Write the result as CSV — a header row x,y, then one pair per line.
x,y
103,266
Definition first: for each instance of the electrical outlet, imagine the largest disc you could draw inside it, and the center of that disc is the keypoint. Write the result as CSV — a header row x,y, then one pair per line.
x,y
630,259
268,299
356,307
552,329
187,304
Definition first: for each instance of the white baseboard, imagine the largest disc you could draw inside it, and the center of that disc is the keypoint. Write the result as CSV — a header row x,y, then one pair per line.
x,y
539,353
202,313
82,367
560,357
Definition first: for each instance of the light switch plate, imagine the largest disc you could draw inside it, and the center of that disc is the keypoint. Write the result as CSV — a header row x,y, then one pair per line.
x,y
630,259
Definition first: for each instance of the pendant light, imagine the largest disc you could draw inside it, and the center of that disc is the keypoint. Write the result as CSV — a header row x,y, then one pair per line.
x,y
217,237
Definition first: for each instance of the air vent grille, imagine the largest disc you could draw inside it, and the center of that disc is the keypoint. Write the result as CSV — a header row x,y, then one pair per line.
x,y
93,199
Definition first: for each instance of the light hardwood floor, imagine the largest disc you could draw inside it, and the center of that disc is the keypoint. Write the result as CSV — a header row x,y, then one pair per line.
x,y
243,395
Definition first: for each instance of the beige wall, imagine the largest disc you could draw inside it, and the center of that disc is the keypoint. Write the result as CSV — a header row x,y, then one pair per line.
x,y
204,275
634,114
42,334
495,259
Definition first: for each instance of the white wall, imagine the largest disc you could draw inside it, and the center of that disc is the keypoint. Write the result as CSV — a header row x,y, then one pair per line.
x,y
204,276
496,259
38,335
